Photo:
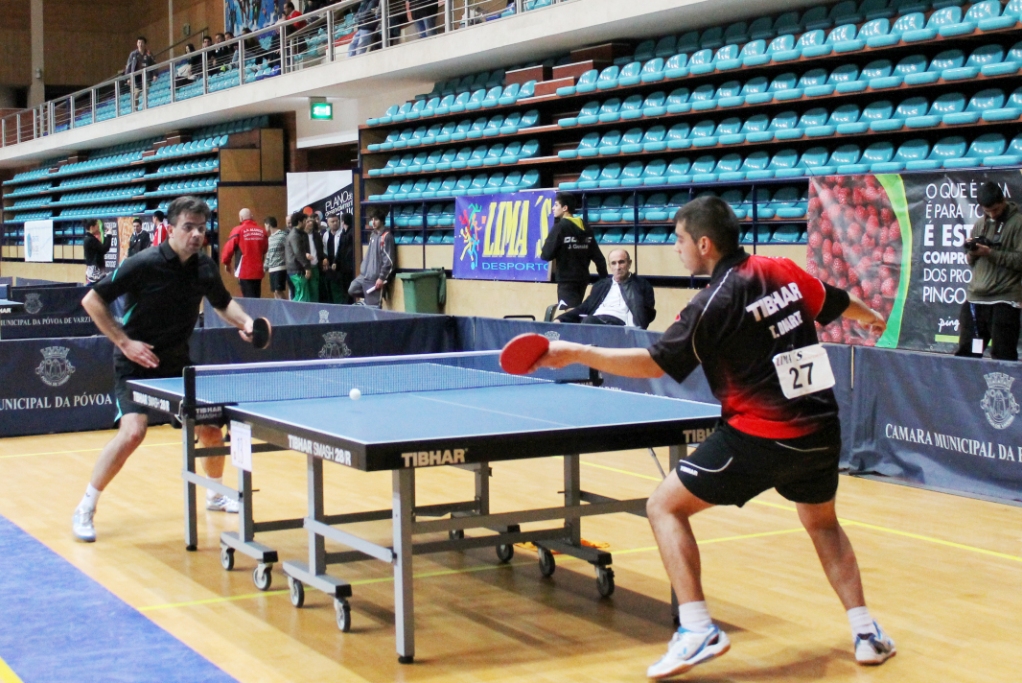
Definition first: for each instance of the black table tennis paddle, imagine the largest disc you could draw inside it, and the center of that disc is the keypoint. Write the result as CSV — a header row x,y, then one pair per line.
x,y
262,332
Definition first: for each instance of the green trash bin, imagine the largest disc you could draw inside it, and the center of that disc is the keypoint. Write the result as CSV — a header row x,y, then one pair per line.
x,y
422,290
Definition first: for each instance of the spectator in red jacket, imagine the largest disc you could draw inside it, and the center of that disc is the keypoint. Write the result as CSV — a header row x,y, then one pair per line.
x,y
250,243
161,229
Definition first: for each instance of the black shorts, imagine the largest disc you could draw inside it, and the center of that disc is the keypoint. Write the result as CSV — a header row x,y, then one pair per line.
x,y
171,365
278,281
732,468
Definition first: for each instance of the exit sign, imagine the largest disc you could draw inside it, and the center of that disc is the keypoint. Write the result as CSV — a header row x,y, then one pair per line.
x,y
321,111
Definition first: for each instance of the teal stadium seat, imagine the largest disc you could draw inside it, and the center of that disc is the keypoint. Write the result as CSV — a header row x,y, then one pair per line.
x,y
987,55
913,106
631,108
729,131
987,145
607,79
678,101
1011,110
1012,156
478,126
631,174
757,90
757,129
754,54
946,149
702,134
701,62
653,71
912,150
984,100
676,66
655,104
631,142
782,49
945,17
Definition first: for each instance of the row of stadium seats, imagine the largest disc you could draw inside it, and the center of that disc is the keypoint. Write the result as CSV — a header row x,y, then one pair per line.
x,y
102,179
104,196
785,203
101,162
26,176
210,200
452,131
232,127
191,167
194,147
458,159
28,189
454,104
988,150
104,210
452,186
179,187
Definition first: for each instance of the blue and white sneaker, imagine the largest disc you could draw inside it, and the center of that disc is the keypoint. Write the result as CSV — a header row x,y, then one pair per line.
x,y
688,648
874,648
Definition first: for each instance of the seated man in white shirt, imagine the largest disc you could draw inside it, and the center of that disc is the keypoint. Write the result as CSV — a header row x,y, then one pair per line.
x,y
621,299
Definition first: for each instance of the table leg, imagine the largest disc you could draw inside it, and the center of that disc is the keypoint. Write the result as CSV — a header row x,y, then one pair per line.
x,y
317,544
191,513
403,486
572,497
246,529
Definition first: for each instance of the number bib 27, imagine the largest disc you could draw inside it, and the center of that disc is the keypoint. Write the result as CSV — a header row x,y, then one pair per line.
x,y
804,371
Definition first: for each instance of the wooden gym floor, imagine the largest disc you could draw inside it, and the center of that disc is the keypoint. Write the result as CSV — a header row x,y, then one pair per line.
x,y
941,574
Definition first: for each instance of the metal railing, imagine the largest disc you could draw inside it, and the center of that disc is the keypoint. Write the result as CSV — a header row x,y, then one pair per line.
x,y
345,29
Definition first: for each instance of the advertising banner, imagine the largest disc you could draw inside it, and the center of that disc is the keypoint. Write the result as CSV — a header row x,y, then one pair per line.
x,y
897,242
39,241
967,440
56,385
500,236
325,194
50,311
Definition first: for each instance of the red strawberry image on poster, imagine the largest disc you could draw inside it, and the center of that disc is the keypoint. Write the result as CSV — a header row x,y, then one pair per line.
x,y
855,242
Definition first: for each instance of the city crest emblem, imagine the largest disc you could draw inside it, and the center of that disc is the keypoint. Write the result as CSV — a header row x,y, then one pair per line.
x,y
32,304
55,369
324,317
998,403
335,346
552,336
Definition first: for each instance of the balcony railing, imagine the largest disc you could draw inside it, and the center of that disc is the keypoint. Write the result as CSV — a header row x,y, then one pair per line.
x,y
344,30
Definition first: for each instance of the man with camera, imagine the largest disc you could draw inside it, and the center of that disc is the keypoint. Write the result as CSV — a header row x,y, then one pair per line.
x,y
990,314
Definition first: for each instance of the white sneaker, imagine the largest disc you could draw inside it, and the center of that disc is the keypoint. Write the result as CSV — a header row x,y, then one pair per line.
x,y
221,503
688,648
872,649
82,526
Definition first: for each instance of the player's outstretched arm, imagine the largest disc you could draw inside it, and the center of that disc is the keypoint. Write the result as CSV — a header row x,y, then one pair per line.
x,y
622,362
864,315
235,315
136,351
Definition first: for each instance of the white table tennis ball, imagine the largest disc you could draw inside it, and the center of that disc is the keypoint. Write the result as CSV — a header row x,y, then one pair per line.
x,y
355,394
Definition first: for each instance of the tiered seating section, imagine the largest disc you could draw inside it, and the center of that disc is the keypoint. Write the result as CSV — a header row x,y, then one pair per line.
x,y
144,181
874,86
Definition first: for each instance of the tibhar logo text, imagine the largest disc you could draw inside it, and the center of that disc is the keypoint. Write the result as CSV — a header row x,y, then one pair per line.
x,y
431,458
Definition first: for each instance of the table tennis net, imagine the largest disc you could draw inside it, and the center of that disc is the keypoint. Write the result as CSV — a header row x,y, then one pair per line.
x,y
223,385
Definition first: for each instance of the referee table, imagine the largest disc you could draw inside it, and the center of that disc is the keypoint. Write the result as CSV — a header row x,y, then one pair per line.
x,y
456,409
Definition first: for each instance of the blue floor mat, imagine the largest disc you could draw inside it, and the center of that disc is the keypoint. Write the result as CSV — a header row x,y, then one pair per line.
x,y
57,624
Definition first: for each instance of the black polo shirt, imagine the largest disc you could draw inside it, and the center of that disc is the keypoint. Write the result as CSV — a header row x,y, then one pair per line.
x,y
754,308
163,296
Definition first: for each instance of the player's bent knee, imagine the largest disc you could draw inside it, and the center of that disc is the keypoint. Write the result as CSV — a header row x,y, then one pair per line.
x,y
133,428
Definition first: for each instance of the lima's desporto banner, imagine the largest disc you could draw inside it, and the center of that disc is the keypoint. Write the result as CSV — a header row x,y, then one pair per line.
x,y
500,236
897,242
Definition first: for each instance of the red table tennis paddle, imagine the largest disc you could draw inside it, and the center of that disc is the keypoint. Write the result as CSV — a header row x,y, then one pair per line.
x,y
522,352
262,332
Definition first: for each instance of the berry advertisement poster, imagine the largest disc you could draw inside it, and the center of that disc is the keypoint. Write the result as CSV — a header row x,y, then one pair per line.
x,y
897,242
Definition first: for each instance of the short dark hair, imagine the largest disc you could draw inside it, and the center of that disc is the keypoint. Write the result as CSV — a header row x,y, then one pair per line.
x,y
711,217
378,212
209,38
567,200
158,215
187,204
347,219
142,38
190,47
89,222
296,218
270,221
220,34
228,33
136,220
990,194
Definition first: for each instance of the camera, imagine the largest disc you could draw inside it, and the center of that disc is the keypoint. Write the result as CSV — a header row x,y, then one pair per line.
x,y
973,242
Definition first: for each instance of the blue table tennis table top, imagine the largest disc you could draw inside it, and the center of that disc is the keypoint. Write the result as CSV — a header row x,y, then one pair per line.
x,y
7,306
504,422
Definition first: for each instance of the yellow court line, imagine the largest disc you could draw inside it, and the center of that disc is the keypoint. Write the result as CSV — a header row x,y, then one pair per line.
x,y
7,674
359,582
849,522
82,450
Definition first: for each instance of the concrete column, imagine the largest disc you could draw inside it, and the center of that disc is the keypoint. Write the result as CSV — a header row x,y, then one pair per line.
x,y
170,26
37,90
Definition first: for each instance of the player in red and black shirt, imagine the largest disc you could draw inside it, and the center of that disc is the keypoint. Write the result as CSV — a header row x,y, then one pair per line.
x,y
753,331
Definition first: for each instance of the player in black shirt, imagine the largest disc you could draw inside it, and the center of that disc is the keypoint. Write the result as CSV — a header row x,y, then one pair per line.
x,y
753,331
163,288
572,248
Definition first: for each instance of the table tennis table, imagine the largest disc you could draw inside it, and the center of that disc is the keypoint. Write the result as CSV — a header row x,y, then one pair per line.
x,y
8,307
455,409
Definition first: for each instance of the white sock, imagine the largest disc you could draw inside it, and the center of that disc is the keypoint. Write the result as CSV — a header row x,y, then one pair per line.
x,y
90,498
210,493
861,622
694,616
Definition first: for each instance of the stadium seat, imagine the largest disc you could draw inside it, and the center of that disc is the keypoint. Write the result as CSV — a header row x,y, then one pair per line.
x,y
912,150
876,153
610,111
844,114
1010,64
679,171
586,83
588,176
652,71
784,121
631,74
1011,110
702,134
877,75
478,155
727,58
529,150
665,47
586,116
612,210
644,51
676,66
704,169
817,18
913,106
653,140
757,90
945,149
788,22
878,110
607,79
655,104
987,145
702,98
784,87
461,159
631,143
983,56
939,19
789,202
757,128
631,174
813,43
845,38
783,49
493,126
529,119
589,144
812,162
678,101
511,123
509,95
631,108
446,160
753,54
493,155
948,103
444,136
991,99
701,62
610,144
610,176
679,136
1012,156
761,28
729,94
655,208
417,161
755,165
711,38
461,131
654,172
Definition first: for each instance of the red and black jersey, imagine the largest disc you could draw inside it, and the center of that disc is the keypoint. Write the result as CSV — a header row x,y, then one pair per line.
x,y
754,308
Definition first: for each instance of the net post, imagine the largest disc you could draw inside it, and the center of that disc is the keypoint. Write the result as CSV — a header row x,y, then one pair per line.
x,y
188,402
